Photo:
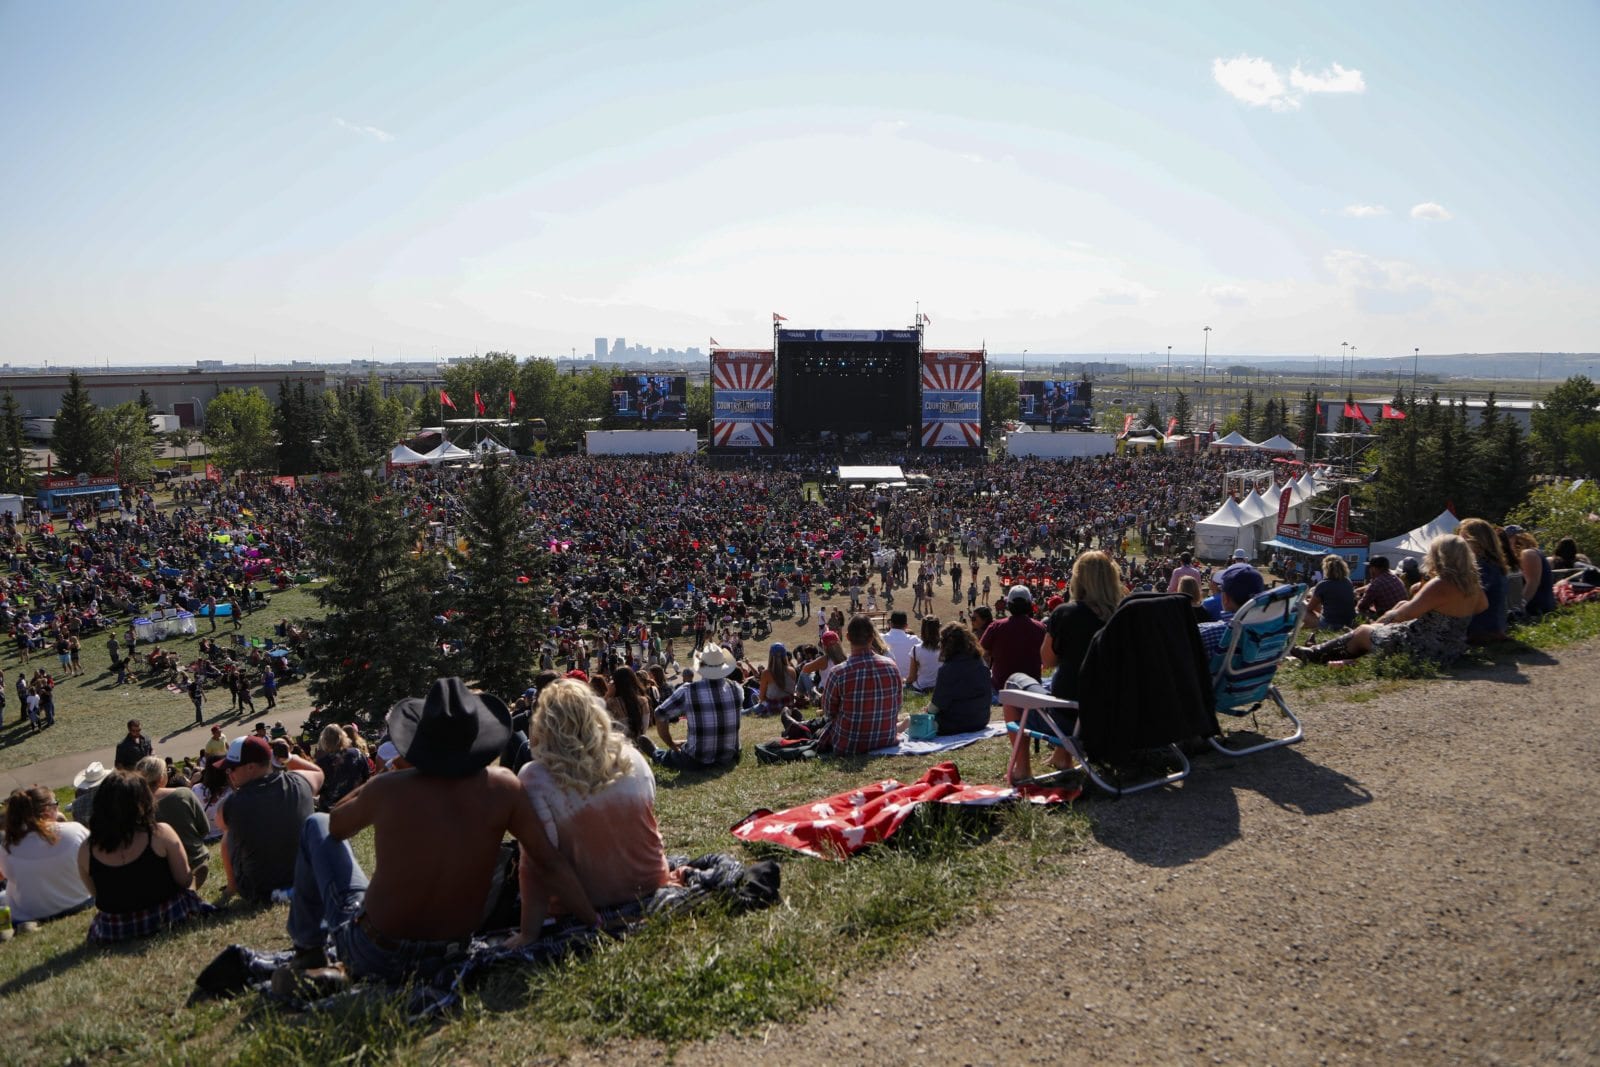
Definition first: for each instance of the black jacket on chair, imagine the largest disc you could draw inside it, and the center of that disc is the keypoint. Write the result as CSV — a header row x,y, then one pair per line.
x,y
1146,680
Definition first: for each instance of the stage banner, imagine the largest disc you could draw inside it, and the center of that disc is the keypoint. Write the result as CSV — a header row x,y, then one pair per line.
x,y
952,399
741,398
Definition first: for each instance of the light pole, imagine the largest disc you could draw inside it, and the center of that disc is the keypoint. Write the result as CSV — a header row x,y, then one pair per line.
x,y
1416,354
1205,366
1343,355
1169,377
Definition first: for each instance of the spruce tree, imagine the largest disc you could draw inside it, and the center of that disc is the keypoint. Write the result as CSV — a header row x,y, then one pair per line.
x,y
1182,412
1152,415
13,447
1247,415
501,617
378,642
79,441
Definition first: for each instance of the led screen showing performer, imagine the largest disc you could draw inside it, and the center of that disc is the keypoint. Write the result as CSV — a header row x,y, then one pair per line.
x,y
1055,404
650,398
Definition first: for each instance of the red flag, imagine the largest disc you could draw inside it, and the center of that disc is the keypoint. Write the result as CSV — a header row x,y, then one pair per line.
x,y
1127,423
714,343
477,402
511,401
1391,413
1319,409
1353,411
445,401
779,318
1172,424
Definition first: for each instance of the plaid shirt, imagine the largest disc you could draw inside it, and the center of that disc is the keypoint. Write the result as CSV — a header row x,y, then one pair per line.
x,y
712,708
126,925
861,699
1380,594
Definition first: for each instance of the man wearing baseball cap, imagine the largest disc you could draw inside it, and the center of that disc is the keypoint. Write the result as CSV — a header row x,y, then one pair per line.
x,y
1238,584
261,820
1012,646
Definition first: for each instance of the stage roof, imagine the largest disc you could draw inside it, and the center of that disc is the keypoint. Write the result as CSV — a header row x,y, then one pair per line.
x,y
871,474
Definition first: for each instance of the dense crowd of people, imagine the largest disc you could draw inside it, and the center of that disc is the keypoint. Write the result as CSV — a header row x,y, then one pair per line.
x,y
566,768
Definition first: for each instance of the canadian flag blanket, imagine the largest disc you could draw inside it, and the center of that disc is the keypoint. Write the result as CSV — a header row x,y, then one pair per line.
x,y
841,825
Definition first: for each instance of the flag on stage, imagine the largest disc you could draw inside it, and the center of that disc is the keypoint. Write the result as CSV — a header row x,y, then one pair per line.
x,y
714,343
511,401
1353,411
1391,413
445,401
776,318
477,402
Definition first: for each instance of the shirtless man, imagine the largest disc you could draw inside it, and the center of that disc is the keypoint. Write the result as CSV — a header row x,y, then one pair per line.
x,y
451,807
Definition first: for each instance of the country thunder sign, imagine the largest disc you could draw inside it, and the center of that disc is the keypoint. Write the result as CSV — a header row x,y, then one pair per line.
x,y
741,398
952,399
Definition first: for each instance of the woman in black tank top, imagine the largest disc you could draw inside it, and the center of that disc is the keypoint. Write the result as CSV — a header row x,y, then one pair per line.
x,y
135,867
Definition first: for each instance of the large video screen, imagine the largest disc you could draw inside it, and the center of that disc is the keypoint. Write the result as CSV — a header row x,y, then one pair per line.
x,y
1054,403
650,397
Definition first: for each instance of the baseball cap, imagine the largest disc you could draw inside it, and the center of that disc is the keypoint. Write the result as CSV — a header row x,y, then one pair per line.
x,y
1240,553
249,749
1241,582
1380,562
1513,529
578,676
1020,592
1054,602
829,638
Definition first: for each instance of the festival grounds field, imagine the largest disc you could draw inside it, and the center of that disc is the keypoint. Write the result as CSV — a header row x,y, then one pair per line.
x,y
1412,884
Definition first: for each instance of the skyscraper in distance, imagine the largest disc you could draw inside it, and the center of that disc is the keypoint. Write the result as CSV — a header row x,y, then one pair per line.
x,y
599,348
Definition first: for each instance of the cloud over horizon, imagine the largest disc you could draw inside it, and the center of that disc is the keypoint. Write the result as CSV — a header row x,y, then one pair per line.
x,y
1431,212
1257,82
365,131
1364,211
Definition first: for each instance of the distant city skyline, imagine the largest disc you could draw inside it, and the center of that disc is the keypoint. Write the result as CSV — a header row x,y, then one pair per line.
x,y
300,181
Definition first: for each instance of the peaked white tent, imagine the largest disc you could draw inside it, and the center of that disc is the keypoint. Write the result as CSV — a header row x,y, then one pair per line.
x,y
447,453
1279,443
1227,528
1254,507
401,456
1305,489
489,444
1414,543
1233,440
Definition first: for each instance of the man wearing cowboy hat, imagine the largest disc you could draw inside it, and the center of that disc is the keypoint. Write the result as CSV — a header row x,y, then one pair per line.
x,y
84,783
452,802
710,704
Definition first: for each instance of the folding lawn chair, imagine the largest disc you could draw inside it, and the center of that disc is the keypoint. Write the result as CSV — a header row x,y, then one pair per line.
x,y
1258,639
1144,686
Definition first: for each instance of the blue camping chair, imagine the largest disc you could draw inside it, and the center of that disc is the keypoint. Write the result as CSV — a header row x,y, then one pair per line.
x,y
1259,638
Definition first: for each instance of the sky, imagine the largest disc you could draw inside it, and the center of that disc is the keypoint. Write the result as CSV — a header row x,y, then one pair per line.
x,y
415,181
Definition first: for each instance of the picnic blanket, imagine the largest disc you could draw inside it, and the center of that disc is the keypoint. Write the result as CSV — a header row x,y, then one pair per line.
x,y
904,746
717,875
841,825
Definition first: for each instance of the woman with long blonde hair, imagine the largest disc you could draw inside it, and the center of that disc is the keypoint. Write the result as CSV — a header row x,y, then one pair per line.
x,y
595,795
1484,540
1432,625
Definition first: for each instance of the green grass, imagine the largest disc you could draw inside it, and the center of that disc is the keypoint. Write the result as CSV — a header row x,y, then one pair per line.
x,y
92,712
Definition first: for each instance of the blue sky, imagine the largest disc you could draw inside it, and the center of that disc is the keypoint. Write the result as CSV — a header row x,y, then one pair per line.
x,y
324,181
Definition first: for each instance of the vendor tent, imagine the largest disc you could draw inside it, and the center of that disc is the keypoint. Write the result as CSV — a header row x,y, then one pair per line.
x,y
489,444
401,456
447,453
1414,543
1233,440
1305,489
1227,528
1279,443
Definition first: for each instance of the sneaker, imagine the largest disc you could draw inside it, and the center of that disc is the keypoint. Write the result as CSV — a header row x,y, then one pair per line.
x,y
27,928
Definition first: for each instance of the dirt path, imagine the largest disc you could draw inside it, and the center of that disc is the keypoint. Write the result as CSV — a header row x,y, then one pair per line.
x,y
1417,882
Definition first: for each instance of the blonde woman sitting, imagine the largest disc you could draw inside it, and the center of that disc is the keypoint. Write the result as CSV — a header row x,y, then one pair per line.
x,y
595,796
1432,625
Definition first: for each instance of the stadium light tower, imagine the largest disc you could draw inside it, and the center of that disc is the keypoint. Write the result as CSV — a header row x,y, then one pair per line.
x,y
1416,354
1169,375
1205,366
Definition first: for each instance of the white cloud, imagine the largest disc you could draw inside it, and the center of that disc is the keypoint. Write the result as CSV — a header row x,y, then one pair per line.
x,y
1431,212
1335,79
1228,295
1364,211
365,131
1383,286
1259,83
1254,81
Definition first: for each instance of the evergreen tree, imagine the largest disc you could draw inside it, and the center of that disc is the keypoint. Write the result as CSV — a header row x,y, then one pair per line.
x,y
1182,412
1505,469
1311,424
1152,415
13,447
146,402
378,642
1391,500
300,422
501,616
79,441
1247,415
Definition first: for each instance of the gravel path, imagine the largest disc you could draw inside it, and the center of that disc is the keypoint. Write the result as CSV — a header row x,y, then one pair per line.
x,y
1414,883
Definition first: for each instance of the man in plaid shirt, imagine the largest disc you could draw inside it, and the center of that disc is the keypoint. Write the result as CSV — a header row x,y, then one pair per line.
x,y
711,705
861,698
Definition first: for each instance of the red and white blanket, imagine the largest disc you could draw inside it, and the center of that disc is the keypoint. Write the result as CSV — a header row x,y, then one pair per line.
x,y
838,826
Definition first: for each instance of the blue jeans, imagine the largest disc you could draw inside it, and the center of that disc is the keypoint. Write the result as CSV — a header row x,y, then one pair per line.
x,y
329,885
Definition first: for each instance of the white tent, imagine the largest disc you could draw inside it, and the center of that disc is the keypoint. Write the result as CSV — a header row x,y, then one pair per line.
x,y
1227,528
489,444
1305,489
1254,507
1279,443
1233,440
1414,543
447,453
401,456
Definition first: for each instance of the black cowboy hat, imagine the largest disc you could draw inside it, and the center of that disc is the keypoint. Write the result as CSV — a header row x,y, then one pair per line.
x,y
453,732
